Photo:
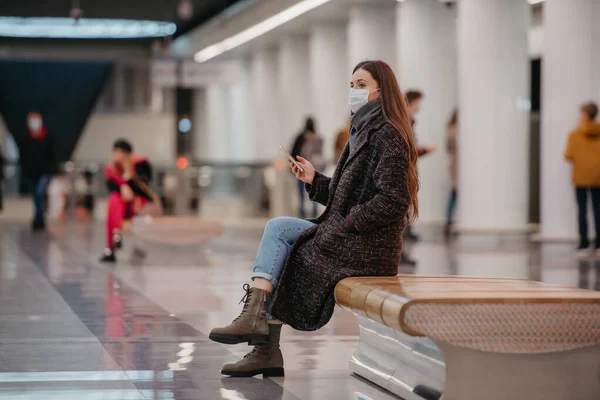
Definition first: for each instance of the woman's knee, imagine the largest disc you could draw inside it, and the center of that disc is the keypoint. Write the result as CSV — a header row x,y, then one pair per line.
x,y
275,225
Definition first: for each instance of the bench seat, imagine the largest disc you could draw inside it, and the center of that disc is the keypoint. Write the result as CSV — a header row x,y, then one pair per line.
x,y
474,338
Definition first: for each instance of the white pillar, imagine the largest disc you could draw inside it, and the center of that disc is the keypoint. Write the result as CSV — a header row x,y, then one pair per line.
x,y
371,34
266,104
241,115
211,124
294,75
426,42
493,103
569,79
330,82
218,129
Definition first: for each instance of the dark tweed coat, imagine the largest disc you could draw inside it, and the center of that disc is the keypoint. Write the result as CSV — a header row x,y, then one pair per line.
x,y
371,184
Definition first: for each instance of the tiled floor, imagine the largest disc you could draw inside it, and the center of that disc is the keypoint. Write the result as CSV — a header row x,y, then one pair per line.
x,y
71,328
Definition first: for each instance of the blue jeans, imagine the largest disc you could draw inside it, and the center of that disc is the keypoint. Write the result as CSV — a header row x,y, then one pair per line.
x,y
277,241
451,207
582,199
302,194
39,197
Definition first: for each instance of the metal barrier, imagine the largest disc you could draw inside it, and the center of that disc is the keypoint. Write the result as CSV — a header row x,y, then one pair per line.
x,y
181,191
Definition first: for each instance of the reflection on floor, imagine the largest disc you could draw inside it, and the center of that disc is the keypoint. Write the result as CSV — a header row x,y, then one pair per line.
x,y
71,328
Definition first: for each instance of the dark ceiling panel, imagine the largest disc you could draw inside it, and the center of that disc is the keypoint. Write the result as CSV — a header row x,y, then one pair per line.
x,y
160,10
208,10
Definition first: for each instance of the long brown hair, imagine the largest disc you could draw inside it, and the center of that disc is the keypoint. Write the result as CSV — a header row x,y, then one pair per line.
x,y
395,112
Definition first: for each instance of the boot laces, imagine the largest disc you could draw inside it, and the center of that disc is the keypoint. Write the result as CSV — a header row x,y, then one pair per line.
x,y
252,353
245,300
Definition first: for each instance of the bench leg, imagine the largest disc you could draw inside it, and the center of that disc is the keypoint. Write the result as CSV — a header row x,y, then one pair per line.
x,y
475,375
402,364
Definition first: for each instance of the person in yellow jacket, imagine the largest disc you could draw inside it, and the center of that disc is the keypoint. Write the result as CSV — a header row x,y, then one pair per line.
x,y
583,151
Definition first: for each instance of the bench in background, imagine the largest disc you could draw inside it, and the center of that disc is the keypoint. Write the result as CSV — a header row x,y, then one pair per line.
x,y
475,338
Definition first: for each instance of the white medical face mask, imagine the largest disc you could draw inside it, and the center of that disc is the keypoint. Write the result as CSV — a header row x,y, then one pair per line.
x,y
358,98
35,124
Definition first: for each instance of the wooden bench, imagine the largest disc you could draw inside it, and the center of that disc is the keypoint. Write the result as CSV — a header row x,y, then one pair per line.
x,y
459,338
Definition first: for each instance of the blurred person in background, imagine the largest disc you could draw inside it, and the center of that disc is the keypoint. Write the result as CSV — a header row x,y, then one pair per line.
x,y
300,262
583,151
414,99
341,140
38,163
451,148
88,198
127,177
313,150
302,144
2,162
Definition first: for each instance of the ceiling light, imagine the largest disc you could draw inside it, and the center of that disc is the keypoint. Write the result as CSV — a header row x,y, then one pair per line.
x,y
85,28
257,30
535,1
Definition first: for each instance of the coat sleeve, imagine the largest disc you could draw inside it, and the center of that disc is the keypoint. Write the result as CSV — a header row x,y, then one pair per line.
x,y
138,190
569,150
319,190
392,200
143,170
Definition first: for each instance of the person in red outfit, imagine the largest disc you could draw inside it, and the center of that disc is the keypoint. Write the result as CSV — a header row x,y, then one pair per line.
x,y
127,178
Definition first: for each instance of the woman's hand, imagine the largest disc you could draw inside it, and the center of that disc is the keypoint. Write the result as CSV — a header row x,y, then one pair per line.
x,y
128,169
126,193
309,171
431,148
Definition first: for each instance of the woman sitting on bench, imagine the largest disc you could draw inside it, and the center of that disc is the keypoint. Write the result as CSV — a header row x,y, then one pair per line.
x,y
299,262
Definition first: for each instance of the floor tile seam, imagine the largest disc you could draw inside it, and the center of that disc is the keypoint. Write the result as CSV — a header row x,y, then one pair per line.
x,y
64,300
66,248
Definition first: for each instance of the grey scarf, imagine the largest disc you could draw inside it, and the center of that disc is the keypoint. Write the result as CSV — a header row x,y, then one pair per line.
x,y
363,116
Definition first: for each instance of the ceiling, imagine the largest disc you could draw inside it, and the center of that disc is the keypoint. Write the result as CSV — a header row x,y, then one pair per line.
x,y
159,10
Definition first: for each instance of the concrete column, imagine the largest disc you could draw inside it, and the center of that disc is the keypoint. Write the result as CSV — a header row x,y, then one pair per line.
x,y
570,78
371,34
241,116
294,76
494,114
217,127
426,50
329,82
266,103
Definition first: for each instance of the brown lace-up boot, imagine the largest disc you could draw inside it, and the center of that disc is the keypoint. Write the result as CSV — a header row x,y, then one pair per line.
x,y
262,360
251,326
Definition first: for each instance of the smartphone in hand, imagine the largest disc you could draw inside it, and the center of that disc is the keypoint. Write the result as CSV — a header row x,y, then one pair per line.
x,y
289,156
